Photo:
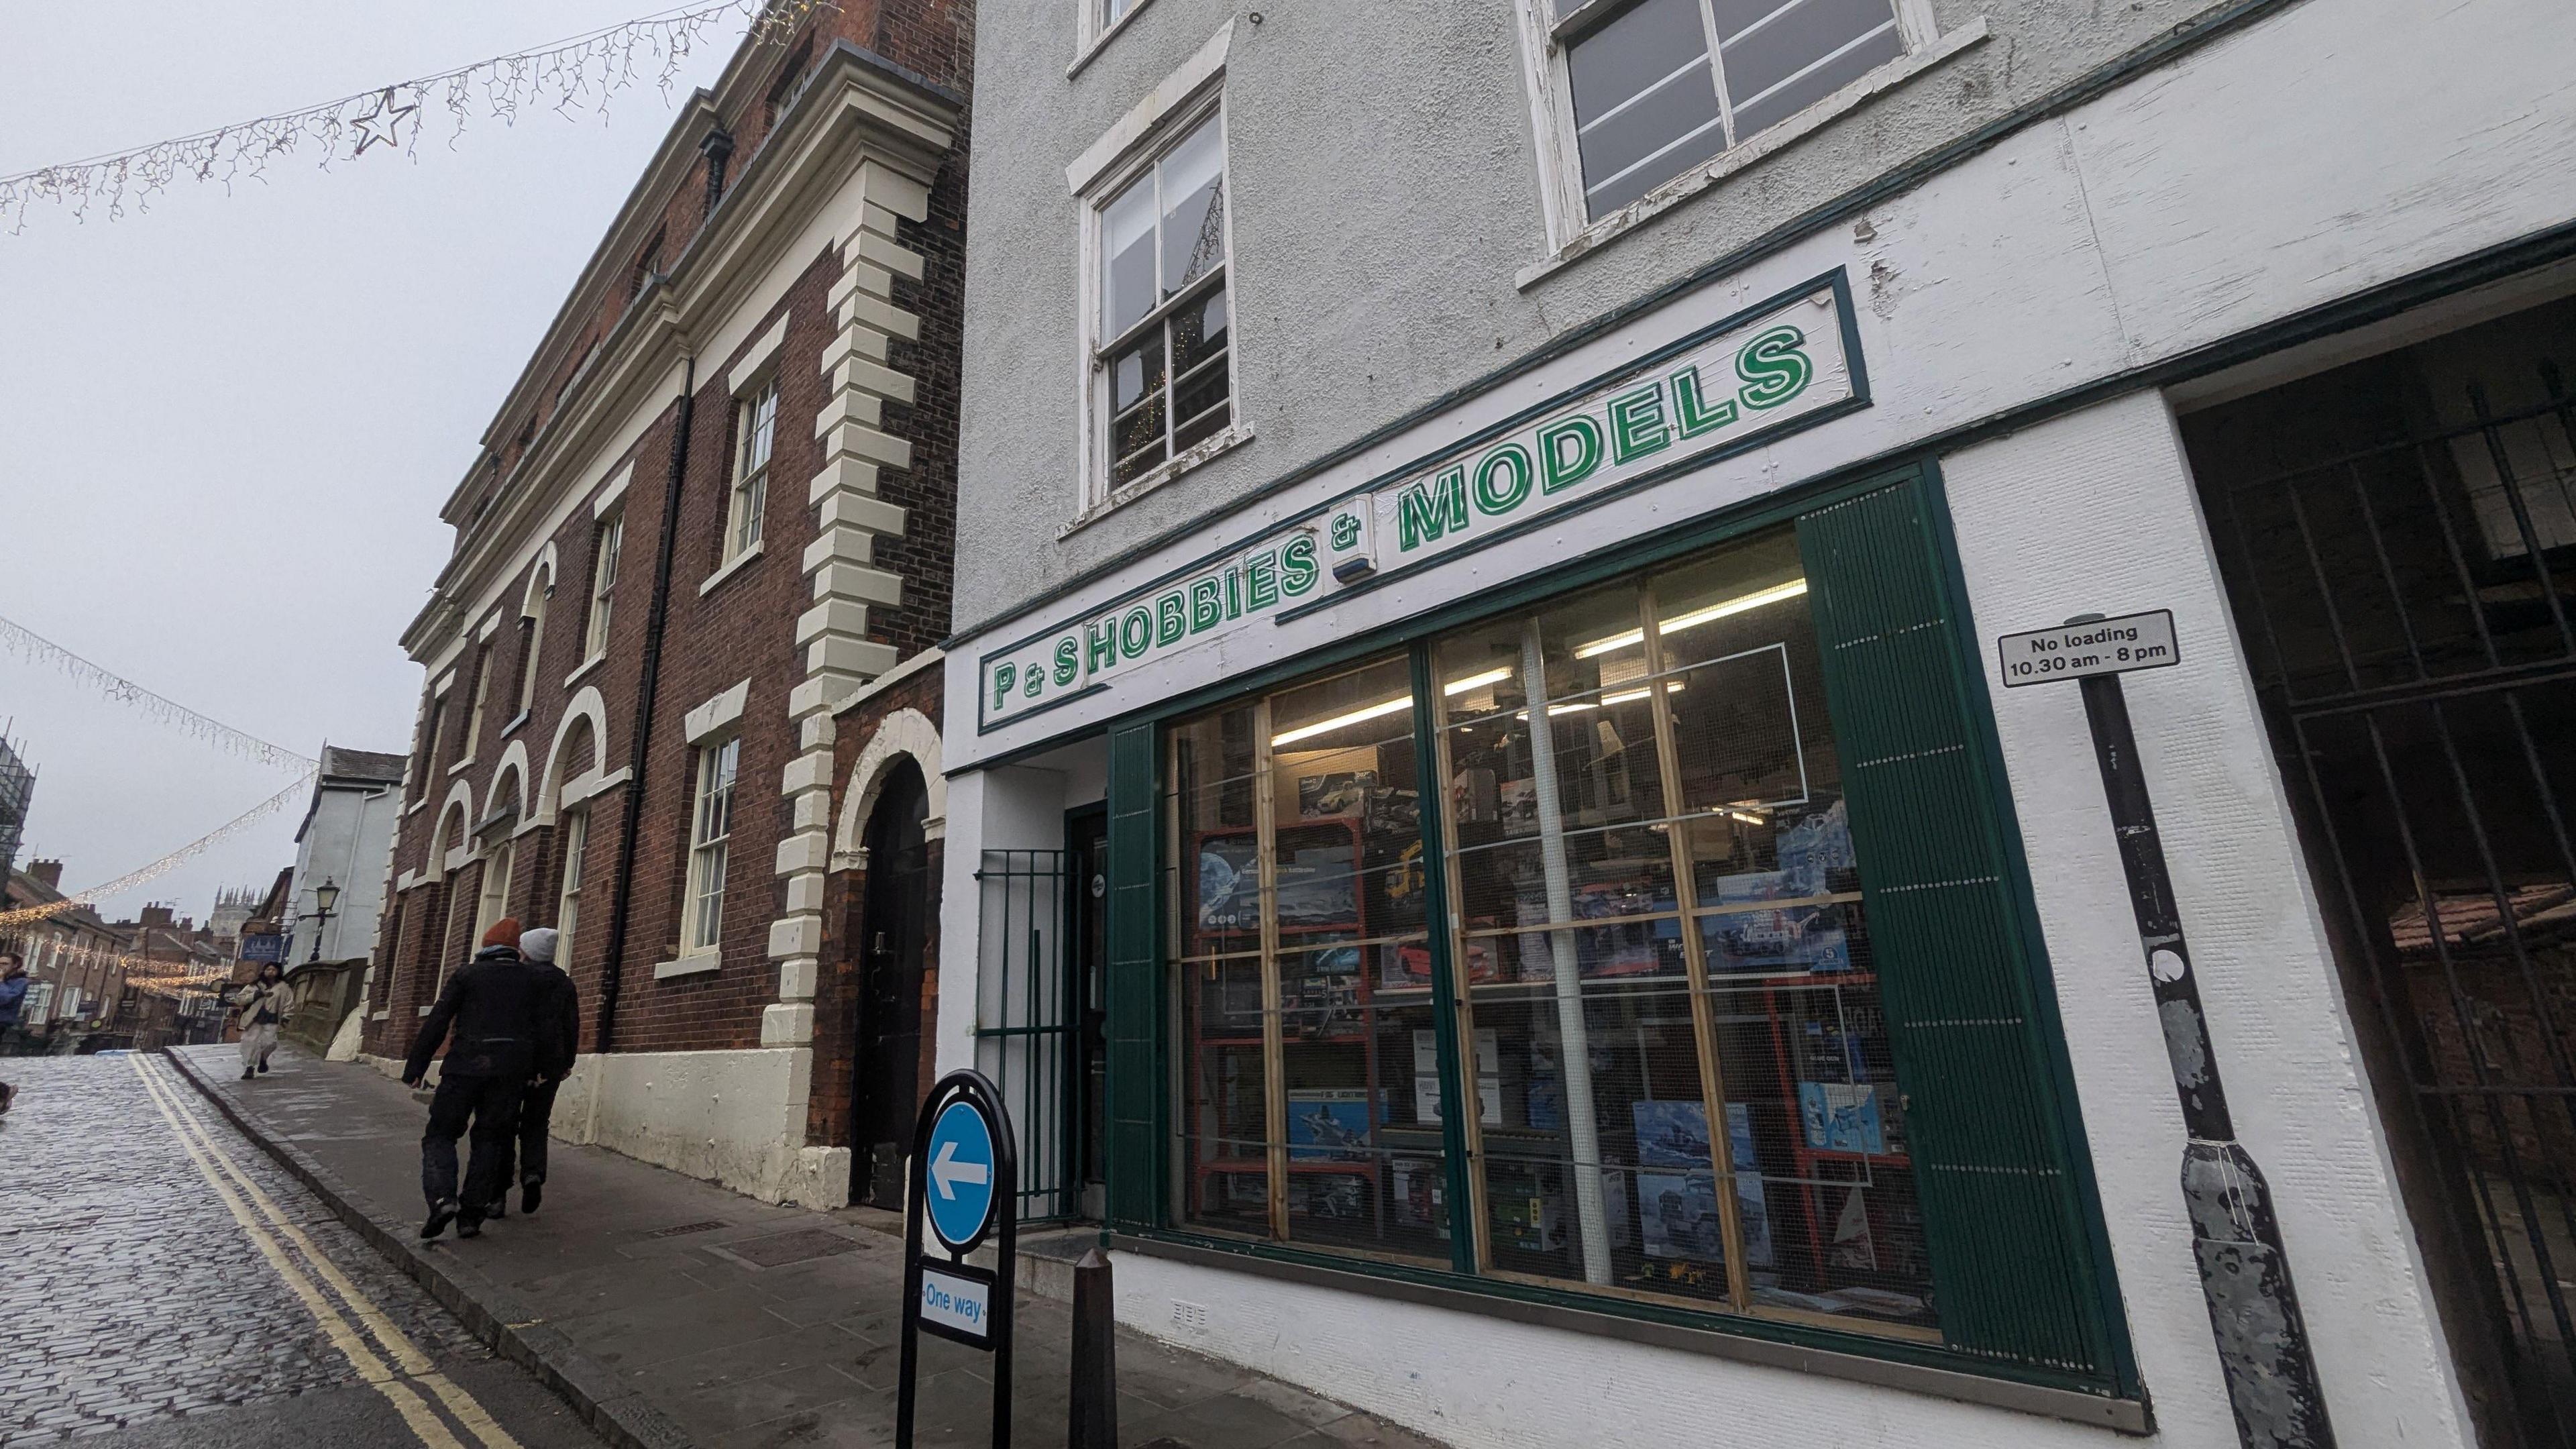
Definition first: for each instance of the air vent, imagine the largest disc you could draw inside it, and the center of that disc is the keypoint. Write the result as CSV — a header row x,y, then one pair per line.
x,y
685,1229
1190,1316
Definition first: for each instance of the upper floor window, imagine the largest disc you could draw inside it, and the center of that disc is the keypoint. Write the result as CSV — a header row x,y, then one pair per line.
x,y
711,828
474,711
532,636
433,723
1661,86
756,432
1164,364
603,581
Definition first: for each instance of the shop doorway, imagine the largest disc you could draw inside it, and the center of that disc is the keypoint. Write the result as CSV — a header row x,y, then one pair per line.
x,y
1087,848
2398,539
894,923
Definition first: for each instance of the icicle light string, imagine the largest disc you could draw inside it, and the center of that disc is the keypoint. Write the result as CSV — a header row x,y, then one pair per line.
x,y
569,76
26,644
134,880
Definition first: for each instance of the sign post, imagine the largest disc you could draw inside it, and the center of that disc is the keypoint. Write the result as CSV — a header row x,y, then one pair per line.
x,y
2244,1272
965,1184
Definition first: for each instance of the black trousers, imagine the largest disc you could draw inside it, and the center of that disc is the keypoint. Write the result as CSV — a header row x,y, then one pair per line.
x,y
493,1105
536,1112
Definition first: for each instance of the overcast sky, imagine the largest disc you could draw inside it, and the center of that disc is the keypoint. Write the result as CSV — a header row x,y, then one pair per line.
x,y
226,424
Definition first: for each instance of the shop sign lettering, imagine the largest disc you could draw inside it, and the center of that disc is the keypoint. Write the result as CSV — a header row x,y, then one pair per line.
x,y
1712,395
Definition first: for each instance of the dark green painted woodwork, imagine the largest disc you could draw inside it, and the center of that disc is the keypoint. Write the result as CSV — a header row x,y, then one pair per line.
x,y
1134,997
2004,1193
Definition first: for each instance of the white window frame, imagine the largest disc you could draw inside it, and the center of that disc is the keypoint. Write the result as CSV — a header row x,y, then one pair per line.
x,y
433,724
608,539
719,773
492,892
1099,495
532,644
1095,25
747,509
573,829
482,692
1545,47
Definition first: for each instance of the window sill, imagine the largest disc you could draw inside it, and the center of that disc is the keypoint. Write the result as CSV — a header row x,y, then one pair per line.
x,y
1100,41
381,1015
1682,188
516,720
1222,443
460,767
424,1011
1601,1318
587,665
741,561
695,963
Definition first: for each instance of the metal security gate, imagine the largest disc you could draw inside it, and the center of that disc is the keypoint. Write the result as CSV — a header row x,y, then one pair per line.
x,y
1024,1034
2398,538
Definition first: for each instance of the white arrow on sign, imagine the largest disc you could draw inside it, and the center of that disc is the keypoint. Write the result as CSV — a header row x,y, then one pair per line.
x,y
946,1171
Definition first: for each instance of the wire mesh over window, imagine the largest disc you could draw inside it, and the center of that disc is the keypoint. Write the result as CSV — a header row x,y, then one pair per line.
x,y
1164,307
1661,1030
1665,85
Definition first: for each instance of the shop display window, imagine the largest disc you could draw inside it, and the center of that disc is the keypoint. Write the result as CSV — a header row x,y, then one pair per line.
x,y
1663,1023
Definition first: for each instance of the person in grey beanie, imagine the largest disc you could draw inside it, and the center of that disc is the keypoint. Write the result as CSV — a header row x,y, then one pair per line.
x,y
558,1033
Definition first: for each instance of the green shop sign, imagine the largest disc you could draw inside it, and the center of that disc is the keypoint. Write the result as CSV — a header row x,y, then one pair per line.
x,y
1788,362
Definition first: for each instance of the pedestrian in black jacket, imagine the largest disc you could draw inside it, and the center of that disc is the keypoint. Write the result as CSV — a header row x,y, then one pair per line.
x,y
493,1003
558,1043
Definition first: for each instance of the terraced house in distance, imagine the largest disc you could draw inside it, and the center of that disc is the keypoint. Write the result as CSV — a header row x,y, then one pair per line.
x,y
1493,520
701,571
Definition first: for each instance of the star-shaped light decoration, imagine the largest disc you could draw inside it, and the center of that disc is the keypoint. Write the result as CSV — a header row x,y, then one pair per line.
x,y
383,125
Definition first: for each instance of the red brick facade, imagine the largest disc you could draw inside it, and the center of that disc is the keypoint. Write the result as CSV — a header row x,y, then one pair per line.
x,y
550,488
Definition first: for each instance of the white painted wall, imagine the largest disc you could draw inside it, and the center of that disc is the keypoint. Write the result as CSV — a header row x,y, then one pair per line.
x,y
349,841
2325,150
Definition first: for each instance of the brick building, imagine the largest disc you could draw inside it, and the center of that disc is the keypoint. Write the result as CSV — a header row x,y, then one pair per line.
x,y
704,547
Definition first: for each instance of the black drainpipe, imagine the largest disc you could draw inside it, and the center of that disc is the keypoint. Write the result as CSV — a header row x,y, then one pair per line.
x,y
642,733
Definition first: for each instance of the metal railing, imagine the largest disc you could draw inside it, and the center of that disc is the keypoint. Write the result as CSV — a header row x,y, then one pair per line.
x,y
1024,1016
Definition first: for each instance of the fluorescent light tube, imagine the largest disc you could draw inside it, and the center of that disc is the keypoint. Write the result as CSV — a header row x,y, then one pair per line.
x,y
1696,617
1325,727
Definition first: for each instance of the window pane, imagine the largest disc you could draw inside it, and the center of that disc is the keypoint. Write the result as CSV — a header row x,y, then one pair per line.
x,y
1600,1165
1782,58
1645,102
1137,424
1127,258
1223,1108
1193,180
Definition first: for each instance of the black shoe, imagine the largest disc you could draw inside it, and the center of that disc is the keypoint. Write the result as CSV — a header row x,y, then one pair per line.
x,y
531,1193
469,1227
439,1217
263,1065
247,1074
500,1207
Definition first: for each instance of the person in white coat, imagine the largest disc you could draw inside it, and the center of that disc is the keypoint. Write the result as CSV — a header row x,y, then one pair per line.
x,y
260,1007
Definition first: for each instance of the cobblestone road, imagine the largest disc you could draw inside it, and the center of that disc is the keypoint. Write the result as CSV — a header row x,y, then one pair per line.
x,y
133,1298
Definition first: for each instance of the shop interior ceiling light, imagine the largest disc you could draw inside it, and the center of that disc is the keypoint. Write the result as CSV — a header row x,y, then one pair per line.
x,y
1325,727
1697,617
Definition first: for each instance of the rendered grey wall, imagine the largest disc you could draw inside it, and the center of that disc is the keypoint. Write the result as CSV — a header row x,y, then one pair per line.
x,y
1384,194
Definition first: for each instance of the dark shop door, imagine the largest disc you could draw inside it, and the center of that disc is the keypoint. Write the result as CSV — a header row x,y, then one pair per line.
x,y
2398,538
895,926
1087,832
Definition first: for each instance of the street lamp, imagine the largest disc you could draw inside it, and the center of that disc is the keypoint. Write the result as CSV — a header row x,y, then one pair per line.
x,y
325,896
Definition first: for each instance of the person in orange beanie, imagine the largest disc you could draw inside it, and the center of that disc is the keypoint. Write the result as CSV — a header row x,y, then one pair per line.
x,y
492,1004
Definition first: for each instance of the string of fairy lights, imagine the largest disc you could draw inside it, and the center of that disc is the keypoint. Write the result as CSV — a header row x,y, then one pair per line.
x,y
581,74
25,643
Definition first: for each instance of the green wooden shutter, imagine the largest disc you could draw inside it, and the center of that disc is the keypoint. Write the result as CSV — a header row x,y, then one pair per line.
x,y
2018,1267
1134,998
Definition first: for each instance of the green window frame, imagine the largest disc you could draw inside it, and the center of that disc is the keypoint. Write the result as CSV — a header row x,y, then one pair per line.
x,y
2019,1264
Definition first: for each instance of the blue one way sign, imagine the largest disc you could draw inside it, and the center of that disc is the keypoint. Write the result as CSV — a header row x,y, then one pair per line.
x,y
959,1155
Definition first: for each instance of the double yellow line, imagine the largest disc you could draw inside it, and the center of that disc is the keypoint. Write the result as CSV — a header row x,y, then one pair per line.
x,y
408,1365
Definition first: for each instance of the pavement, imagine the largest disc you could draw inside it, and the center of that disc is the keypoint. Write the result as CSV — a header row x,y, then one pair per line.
x,y
163,1282
669,1311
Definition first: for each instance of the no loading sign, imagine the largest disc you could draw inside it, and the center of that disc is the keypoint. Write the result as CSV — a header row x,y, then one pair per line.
x,y
2084,647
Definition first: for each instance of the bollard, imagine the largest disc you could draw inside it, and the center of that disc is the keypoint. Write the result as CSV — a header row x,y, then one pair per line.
x,y
1095,1356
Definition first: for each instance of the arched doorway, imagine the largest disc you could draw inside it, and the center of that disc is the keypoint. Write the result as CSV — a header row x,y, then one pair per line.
x,y
892,941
